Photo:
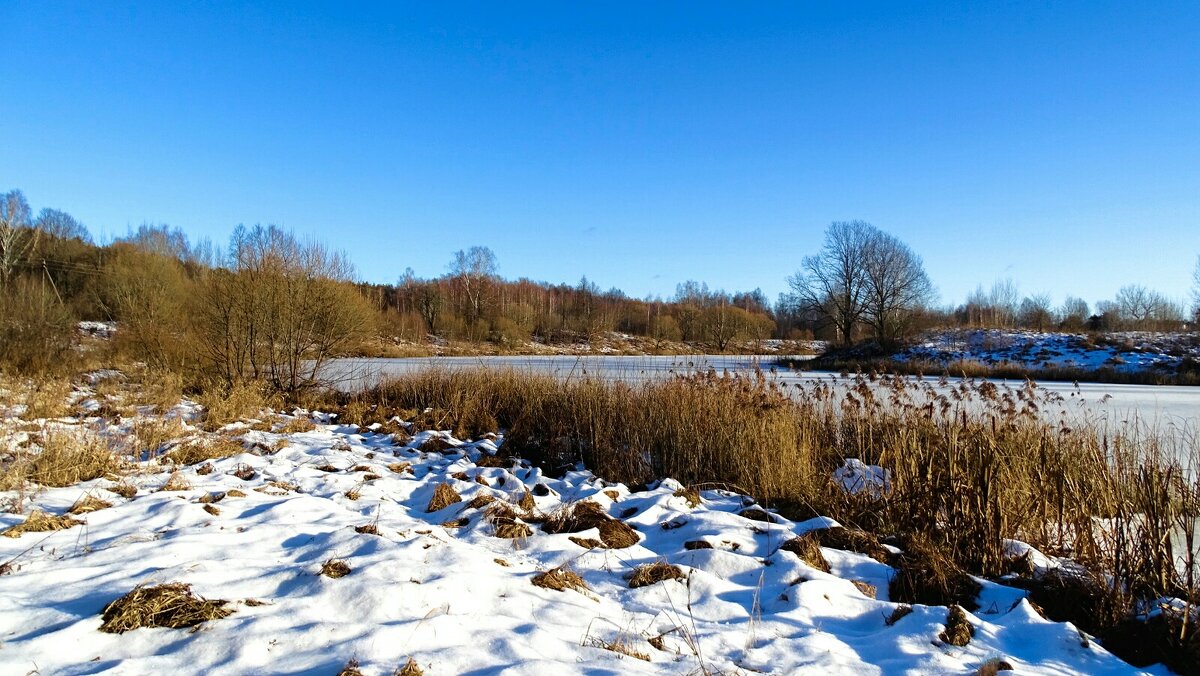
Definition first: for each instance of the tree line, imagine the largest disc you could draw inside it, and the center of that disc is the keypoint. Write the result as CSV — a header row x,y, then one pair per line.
x,y
273,307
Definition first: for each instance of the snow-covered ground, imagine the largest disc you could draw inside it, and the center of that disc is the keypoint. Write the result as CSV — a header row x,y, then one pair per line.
x,y
1122,352
440,587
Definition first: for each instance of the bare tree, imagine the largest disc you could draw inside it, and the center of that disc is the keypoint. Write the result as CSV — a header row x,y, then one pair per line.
x,y
833,283
1074,313
1146,309
1196,290
473,271
1034,312
62,225
896,285
17,236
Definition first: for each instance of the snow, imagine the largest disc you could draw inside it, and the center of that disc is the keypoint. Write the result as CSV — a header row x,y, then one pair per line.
x,y
1123,352
442,595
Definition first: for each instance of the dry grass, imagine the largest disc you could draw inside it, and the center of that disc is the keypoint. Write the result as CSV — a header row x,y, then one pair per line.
x,y
993,667
151,434
199,450
123,489
401,467
926,575
898,613
971,464
296,426
45,398
67,457
505,523
959,630
481,500
560,579
224,405
87,504
176,482
617,645
40,522
335,568
410,668
160,388
852,540
691,494
173,606
653,573
443,496
808,548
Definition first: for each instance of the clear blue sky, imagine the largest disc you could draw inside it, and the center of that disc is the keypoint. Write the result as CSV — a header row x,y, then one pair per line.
x,y
640,144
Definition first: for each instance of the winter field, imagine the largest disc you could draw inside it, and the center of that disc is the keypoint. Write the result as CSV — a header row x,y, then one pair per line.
x,y
313,547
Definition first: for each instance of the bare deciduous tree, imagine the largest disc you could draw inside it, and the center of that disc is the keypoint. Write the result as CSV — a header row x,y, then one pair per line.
x,y
17,235
62,225
896,285
473,271
862,275
1034,312
1074,313
281,310
833,283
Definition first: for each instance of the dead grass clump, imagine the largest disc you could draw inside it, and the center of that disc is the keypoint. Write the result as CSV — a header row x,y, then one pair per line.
x,y
527,502
1074,595
410,668
443,496
927,576
244,472
367,529
205,469
40,522
560,579
335,568
173,606
868,590
437,445
462,522
360,468
153,433
993,666
194,451
697,544
68,458
756,514
586,543
46,398
481,500
123,489
226,405
161,388
958,631
617,645
504,520
88,503
689,493
296,426
852,540
235,493
351,669
808,548
492,461
898,613
652,573
618,535
328,468
401,467
176,482
213,509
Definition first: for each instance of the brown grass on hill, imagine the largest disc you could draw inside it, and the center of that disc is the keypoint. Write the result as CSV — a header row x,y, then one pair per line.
x,y
503,518
152,434
40,522
959,630
618,535
689,493
443,496
653,573
808,548
481,500
295,426
45,398
527,502
171,605
560,579
88,503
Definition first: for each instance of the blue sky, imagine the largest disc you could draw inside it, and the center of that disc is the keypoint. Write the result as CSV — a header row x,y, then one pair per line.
x,y
639,144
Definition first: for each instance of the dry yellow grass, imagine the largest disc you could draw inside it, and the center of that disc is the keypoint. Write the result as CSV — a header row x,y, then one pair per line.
x,y
171,605
67,457
40,522
198,450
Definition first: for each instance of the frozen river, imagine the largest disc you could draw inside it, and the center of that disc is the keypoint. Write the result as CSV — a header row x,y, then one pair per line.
x,y
1171,409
